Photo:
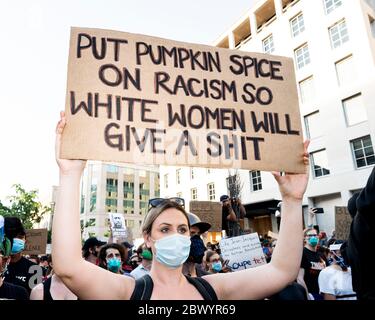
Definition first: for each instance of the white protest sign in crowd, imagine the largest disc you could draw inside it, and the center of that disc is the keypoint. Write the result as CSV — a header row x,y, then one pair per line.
x,y
118,225
243,252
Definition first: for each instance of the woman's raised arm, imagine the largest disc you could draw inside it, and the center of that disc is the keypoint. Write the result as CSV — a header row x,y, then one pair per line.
x,y
83,278
263,281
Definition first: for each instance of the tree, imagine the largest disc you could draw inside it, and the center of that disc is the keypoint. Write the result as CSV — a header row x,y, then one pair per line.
x,y
234,184
25,206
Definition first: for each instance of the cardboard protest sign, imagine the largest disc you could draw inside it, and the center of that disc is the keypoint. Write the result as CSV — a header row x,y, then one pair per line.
x,y
36,241
243,252
342,223
209,212
118,225
140,99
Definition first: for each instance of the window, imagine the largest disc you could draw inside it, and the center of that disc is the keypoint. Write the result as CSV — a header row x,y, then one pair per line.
x,y
354,109
320,163
192,173
255,180
297,25
211,191
302,56
338,34
178,176
330,5
129,223
193,193
345,71
307,91
268,46
166,180
111,168
313,125
208,171
363,152
179,194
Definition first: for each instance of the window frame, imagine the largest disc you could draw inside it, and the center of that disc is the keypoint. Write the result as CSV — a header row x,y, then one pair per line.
x,y
299,31
212,196
363,149
340,40
333,7
321,168
357,95
254,187
301,48
271,44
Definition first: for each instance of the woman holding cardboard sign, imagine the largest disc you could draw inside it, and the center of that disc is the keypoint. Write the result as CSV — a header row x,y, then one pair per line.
x,y
166,233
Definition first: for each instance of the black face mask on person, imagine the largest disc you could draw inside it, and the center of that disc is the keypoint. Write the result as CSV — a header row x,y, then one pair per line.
x,y
134,264
94,252
197,249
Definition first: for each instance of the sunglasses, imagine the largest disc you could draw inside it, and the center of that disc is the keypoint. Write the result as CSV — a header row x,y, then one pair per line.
x,y
156,202
311,235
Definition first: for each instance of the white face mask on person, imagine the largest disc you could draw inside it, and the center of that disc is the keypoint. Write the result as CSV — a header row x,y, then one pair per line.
x,y
172,251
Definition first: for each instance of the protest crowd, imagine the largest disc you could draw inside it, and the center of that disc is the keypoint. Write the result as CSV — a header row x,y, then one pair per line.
x,y
174,254
175,261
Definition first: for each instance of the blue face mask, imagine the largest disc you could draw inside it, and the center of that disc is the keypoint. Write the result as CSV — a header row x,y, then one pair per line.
x,y
217,266
172,251
18,246
114,265
313,241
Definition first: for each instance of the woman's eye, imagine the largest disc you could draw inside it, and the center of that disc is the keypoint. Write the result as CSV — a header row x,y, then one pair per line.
x,y
164,230
183,230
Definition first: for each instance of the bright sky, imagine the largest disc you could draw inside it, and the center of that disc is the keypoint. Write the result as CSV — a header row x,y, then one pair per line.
x,y
33,65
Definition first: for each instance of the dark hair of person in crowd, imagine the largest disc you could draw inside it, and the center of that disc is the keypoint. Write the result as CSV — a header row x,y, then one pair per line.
x,y
34,258
13,228
323,253
209,254
103,253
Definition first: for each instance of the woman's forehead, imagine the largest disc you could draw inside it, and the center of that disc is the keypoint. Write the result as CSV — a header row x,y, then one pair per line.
x,y
111,250
171,216
215,256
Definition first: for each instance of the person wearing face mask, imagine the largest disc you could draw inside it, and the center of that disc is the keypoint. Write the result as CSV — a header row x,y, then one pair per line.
x,y
144,266
335,281
193,265
214,263
111,257
166,232
8,290
311,264
19,272
90,249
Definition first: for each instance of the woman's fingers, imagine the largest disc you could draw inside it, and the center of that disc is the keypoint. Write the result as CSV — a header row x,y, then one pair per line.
x,y
305,146
61,124
59,130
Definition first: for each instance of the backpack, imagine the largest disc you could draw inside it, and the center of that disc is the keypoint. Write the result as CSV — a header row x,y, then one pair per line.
x,y
144,287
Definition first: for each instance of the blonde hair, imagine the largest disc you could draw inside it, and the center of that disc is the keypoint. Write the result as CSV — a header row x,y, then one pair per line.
x,y
155,212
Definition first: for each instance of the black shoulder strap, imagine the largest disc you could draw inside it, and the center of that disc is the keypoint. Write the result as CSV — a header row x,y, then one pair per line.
x,y
143,288
47,290
204,288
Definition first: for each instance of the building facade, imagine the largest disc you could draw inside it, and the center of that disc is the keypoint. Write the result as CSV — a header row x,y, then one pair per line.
x,y
332,43
117,188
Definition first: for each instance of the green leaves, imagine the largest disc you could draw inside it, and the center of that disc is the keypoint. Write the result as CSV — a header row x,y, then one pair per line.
x,y
26,206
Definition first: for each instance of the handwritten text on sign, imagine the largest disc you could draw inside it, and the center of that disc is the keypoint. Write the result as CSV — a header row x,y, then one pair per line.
x,y
243,252
140,99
